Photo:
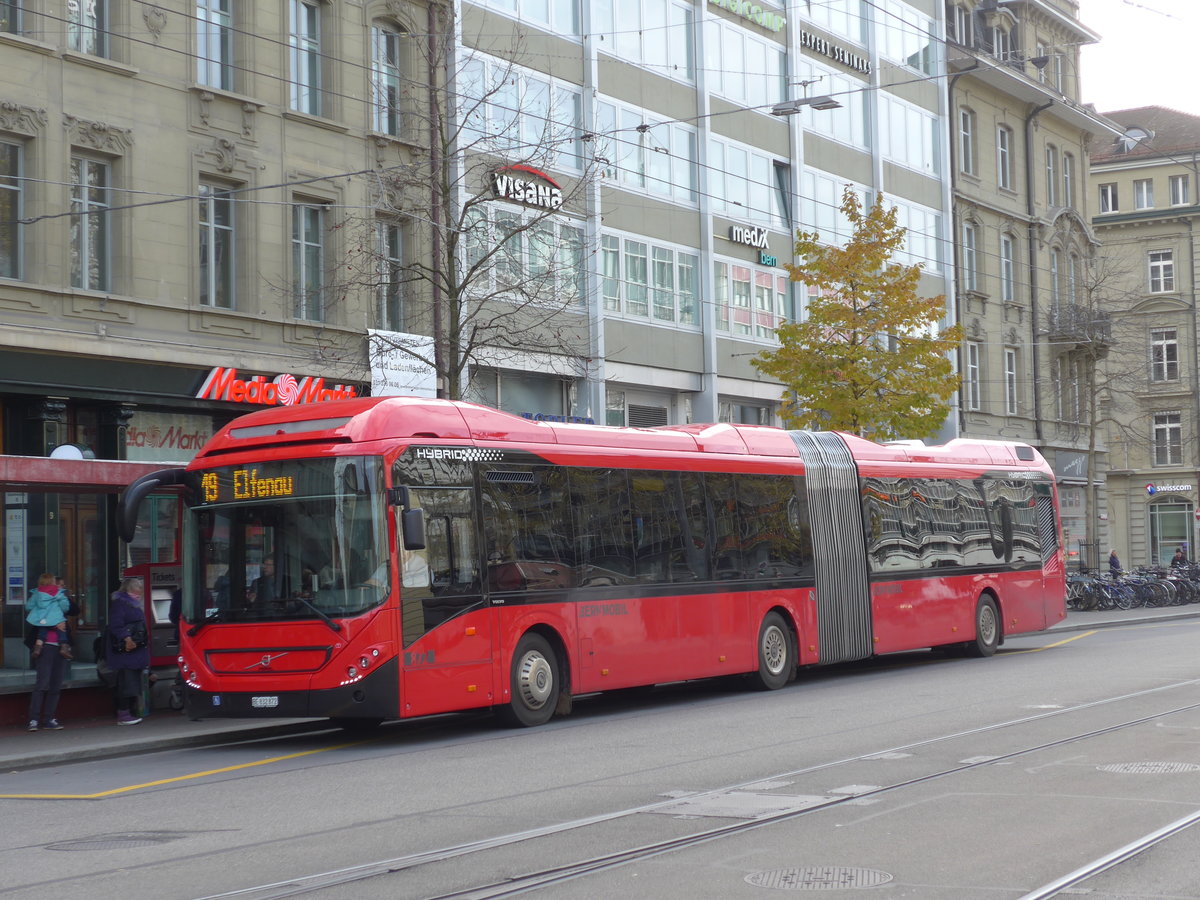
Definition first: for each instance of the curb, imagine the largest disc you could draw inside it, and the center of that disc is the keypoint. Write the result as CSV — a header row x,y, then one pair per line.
x,y
133,744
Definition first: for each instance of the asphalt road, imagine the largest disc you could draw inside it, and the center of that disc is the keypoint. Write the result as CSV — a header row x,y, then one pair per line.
x,y
915,775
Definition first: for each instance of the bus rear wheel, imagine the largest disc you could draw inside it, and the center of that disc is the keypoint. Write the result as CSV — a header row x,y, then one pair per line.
x,y
987,628
535,684
776,654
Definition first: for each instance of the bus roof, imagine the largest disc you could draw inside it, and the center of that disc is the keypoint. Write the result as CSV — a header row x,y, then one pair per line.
x,y
431,421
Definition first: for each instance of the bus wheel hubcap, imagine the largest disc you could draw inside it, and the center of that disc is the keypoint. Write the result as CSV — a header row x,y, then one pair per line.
x,y
987,625
774,650
535,680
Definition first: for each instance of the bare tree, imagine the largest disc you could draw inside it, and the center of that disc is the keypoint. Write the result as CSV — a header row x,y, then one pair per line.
x,y
495,249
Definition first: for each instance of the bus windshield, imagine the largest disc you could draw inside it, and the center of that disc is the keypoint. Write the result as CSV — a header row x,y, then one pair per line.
x,y
287,539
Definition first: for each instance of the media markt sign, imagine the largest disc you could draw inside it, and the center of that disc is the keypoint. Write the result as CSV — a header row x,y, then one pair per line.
x,y
282,390
538,189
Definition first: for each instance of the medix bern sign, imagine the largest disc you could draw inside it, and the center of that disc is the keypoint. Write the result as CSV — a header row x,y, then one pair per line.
x,y
282,390
540,190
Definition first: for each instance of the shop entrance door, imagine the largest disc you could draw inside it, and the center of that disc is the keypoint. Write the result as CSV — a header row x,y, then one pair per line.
x,y
82,529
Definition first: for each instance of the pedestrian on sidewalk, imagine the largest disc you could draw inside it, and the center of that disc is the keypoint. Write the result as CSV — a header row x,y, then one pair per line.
x,y
129,655
1114,563
1179,559
50,666
48,607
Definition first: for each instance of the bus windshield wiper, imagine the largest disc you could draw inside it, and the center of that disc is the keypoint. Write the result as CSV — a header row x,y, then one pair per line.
x,y
324,618
213,616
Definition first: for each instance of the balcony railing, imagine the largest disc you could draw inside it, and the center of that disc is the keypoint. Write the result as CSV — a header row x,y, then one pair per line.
x,y
1081,325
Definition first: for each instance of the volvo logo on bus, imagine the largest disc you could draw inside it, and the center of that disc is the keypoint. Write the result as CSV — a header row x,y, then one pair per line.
x,y
540,190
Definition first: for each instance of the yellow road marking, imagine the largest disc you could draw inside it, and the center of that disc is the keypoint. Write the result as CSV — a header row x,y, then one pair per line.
x,y
1050,646
149,784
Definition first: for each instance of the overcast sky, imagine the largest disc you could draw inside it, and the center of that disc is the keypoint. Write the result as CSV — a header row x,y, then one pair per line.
x,y
1148,55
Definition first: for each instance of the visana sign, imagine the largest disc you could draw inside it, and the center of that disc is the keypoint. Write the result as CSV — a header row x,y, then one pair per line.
x,y
750,235
541,190
282,390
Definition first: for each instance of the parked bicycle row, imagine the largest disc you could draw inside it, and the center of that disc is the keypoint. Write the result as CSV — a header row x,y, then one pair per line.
x,y
1175,586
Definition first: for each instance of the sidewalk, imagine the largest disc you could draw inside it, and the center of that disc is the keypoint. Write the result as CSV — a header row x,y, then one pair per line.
x,y
102,738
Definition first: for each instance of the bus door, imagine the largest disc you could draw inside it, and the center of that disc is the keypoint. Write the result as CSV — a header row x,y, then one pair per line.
x,y
447,631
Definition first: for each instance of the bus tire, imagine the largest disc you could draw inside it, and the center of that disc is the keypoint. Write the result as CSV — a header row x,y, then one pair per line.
x,y
534,684
776,653
987,628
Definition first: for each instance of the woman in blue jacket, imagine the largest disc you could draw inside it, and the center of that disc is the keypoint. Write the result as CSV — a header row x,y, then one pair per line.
x,y
128,653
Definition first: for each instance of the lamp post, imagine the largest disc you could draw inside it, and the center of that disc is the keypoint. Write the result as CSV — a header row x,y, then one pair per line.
x,y
791,107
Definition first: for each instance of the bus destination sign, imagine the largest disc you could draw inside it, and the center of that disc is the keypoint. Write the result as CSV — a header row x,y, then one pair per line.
x,y
245,484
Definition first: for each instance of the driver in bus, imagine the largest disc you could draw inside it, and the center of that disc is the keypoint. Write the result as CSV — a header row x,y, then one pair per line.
x,y
264,588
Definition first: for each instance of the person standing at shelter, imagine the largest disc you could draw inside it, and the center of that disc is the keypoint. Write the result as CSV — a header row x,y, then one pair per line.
x,y
48,610
129,655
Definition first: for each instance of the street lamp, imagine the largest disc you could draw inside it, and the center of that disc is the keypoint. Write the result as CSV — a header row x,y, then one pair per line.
x,y
791,107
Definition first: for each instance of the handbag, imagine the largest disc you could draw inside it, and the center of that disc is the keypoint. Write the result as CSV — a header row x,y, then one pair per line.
x,y
137,631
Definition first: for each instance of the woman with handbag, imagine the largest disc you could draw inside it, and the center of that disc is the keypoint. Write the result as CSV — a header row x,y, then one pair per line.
x,y
128,654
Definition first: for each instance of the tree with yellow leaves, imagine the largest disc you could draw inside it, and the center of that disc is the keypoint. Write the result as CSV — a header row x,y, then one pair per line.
x,y
871,356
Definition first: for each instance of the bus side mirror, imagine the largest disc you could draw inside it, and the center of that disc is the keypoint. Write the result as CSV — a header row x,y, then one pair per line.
x,y
412,525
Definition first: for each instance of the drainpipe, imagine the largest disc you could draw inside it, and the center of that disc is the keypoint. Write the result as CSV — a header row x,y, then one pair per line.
x,y
437,164
952,163
1033,269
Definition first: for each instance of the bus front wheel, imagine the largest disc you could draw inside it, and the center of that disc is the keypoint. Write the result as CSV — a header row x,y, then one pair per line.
x,y
534,684
776,653
987,628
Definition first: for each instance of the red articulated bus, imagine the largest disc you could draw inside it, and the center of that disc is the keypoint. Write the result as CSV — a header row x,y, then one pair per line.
x,y
390,557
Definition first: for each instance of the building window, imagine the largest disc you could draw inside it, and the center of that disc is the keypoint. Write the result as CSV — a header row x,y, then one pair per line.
x,y
1073,279
308,260
1004,165
1181,193
12,209
1008,269
1068,180
966,141
960,26
1010,381
1108,198
663,44
750,302
743,183
385,79
214,43
1143,194
970,262
1162,271
87,26
90,183
304,50
971,394
1168,439
390,254
1055,276
10,16
1164,355
1001,43
512,112
1051,175
217,264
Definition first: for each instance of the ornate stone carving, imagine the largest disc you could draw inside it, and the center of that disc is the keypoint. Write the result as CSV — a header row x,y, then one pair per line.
x,y
98,135
225,152
19,119
248,111
155,19
206,99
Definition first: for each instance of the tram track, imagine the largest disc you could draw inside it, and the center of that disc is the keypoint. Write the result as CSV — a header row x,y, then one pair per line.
x,y
557,874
